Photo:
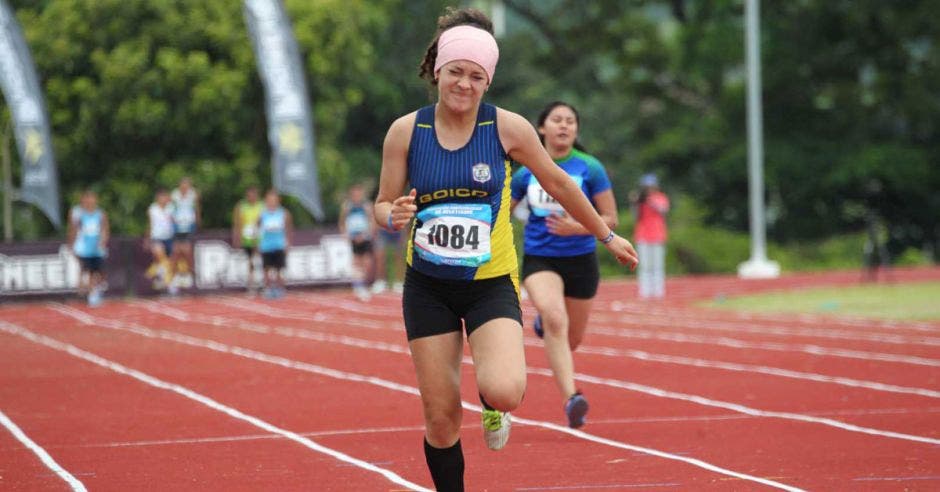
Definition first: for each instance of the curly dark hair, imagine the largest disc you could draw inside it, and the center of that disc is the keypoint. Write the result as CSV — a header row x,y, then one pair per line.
x,y
452,17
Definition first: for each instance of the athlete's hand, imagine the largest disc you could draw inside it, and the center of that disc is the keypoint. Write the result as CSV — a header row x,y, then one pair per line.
x,y
403,210
623,251
563,225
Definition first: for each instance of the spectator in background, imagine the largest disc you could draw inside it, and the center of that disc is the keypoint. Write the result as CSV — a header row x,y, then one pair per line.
x,y
651,208
355,223
277,228
245,218
160,241
186,218
88,234
389,243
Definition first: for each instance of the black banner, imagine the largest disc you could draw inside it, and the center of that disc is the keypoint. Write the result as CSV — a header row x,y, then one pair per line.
x,y
318,258
290,124
20,85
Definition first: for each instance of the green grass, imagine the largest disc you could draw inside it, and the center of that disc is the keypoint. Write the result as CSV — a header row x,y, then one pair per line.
x,y
911,301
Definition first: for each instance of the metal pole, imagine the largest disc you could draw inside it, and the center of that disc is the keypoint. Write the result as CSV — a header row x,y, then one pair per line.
x,y
7,184
757,266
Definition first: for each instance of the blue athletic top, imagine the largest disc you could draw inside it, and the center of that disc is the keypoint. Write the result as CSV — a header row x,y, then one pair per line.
x,y
88,237
462,228
273,227
357,221
585,170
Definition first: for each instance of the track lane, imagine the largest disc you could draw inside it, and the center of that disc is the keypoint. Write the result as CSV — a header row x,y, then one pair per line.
x,y
794,439
689,475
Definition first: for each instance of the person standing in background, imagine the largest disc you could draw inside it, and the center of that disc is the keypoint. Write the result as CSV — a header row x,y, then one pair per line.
x,y
245,218
355,222
186,219
88,235
389,243
652,205
160,241
276,227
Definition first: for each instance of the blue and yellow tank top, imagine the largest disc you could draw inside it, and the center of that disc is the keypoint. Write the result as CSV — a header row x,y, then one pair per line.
x,y
462,228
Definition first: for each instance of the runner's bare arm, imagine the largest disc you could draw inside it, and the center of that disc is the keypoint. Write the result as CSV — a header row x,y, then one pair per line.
x,y
391,207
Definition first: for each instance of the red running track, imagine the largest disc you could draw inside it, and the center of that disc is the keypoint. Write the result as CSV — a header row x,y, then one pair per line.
x,y
316,392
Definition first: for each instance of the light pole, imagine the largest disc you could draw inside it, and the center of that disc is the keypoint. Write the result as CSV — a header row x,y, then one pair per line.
x,y
758,266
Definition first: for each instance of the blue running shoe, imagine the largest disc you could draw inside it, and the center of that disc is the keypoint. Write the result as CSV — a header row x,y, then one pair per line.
x,y
576,408
537,326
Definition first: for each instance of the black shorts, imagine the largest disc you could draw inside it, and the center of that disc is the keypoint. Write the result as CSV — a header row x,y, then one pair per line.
x,y
433,306
274,259
91,263
362,247
249,250
579,273
183,237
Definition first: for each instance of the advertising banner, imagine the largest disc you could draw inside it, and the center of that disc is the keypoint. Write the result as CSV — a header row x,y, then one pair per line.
x,y
290,123
20,87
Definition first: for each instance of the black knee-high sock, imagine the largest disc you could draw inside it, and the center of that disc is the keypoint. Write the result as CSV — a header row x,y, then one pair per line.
x,y
446,466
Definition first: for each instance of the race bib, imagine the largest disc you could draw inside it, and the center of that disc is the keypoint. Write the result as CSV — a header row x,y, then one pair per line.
x,y
274,223
185,217
455,234
541,203
91,228
357,224
249,231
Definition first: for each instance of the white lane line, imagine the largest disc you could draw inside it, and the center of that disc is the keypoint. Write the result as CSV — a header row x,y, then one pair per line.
x,y
848,321
751,368
736,343
347,376
205,400
626,385
47,460
250,437
262,309
676,319
416,428
634,354
810,349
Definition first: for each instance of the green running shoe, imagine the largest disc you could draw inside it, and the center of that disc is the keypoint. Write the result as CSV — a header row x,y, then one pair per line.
x,y
496,427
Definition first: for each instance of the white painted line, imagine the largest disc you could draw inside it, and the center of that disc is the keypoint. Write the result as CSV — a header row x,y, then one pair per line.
x,y
347,376
701,400
678,319
603,351
262,309
649,390
735,367
736,343
47,460
205,400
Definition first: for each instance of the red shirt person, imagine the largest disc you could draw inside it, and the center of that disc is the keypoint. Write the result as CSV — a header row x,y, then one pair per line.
x,y
651,234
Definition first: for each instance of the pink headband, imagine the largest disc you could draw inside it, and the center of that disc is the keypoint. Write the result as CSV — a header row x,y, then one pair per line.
x,y
468,43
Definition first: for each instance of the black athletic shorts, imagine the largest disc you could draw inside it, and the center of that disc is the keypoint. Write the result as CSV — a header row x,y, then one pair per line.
x,y
274,259
183,237
250,250
579,273
362,247
433,306
91,263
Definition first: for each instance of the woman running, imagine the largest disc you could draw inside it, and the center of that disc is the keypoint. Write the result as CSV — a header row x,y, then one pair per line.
x,y
462,269
559,267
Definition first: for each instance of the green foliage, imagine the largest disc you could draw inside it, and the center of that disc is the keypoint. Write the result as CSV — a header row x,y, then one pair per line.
x,y
141,92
